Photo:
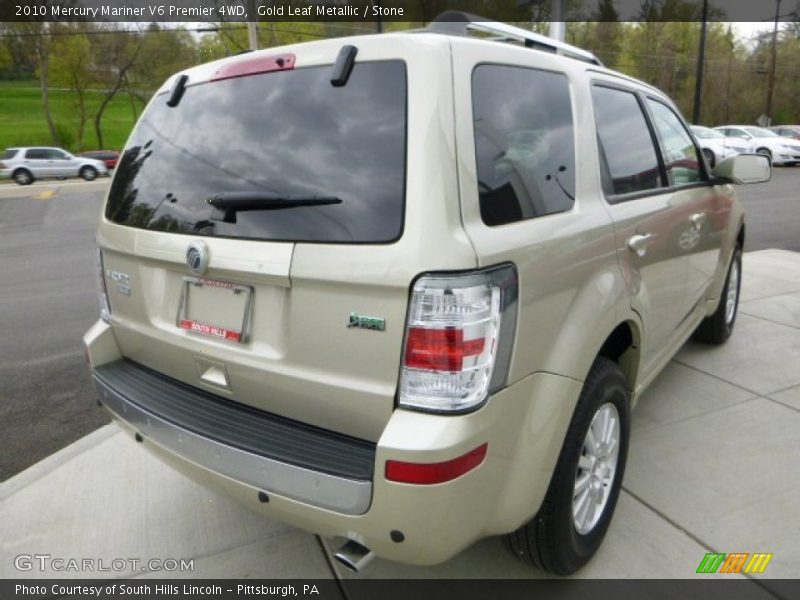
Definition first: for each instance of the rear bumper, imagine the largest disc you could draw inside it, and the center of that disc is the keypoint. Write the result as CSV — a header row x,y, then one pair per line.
x,y
523,425
250,446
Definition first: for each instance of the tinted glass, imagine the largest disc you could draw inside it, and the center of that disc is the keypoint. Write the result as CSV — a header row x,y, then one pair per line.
x,y
628,156
57,155
288,133
37,153
10,153
524,143
677,148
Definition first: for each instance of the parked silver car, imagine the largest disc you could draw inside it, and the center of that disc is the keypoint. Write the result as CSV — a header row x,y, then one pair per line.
x,y
26,165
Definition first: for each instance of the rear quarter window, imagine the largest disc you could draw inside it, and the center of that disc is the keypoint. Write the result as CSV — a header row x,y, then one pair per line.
x,y
37,153
9,153
524,143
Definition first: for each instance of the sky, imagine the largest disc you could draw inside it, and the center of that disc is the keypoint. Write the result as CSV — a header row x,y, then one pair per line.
x,y
749,31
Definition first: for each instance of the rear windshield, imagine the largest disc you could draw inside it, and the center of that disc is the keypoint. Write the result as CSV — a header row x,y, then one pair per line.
x,y
9,153
288,135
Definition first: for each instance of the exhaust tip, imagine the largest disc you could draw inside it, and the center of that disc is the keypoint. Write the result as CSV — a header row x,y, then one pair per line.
x,y
354,556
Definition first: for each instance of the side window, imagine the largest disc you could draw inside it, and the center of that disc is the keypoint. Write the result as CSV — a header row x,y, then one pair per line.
x,y
524,143
628,157
36,153
679,152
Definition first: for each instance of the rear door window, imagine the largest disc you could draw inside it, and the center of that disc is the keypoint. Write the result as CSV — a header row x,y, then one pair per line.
x,y
37,154
628,158
524,143
287,134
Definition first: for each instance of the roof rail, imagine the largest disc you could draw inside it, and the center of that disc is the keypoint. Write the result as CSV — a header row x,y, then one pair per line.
x,y
456,22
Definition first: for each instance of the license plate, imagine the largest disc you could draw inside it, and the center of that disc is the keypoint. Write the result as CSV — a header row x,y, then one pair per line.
x,y
218,309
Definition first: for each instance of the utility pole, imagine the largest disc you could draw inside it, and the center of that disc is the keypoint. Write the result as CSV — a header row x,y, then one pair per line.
x,y
701,59
252,32
557,25
379,19
728,86
773,57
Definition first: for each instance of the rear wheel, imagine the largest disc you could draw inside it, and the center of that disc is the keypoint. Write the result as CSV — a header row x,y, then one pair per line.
x,y
765,152
23,177
717,328
89,173
577,510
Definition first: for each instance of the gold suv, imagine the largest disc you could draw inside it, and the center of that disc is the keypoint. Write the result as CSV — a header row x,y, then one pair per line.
x,y
405,289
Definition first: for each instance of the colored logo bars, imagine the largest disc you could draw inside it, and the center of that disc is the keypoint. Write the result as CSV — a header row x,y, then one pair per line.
x,y
735,562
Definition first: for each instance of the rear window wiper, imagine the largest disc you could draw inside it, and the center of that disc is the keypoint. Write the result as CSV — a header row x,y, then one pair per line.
x,y
230,203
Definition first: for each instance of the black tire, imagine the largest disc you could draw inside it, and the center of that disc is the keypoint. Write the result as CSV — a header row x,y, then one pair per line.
x,y
710,158
717,328
23,177
551,540
88,173
765,152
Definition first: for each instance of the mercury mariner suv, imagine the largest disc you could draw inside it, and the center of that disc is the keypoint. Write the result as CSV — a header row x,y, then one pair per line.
x,y
405,289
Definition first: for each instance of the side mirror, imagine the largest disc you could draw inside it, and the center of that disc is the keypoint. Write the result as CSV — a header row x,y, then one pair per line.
x,y
744,168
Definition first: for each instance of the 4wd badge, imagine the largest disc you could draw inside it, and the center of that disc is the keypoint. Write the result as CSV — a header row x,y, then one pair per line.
x,y
364,322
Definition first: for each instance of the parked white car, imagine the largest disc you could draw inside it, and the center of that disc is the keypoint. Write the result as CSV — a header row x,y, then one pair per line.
x,y
25,165
788,131
781,151
715,146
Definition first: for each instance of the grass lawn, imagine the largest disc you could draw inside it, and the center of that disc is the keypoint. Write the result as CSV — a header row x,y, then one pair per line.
x,y
22,120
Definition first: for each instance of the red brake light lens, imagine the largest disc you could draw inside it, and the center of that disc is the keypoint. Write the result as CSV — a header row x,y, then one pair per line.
x,y
439,349
430,473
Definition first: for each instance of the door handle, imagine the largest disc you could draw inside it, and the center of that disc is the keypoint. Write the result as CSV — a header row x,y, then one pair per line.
x,y
639,242
697,220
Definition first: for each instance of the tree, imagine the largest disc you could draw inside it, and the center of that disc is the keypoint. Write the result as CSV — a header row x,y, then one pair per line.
x,y
163,51
71,66
116,55
36,41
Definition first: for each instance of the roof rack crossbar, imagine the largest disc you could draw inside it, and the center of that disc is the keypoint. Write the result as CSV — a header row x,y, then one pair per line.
x,y
456,22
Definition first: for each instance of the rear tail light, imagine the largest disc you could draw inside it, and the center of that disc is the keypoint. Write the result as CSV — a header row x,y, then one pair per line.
x,y
105,309
459,337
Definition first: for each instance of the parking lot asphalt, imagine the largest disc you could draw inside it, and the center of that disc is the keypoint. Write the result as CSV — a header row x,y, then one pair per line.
x,y
48,298
712,468
713,453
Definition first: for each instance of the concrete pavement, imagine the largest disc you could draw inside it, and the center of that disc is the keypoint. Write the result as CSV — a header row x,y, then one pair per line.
x,y
713,466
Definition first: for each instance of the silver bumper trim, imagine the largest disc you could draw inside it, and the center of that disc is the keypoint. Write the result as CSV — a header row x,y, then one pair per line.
x,y
348,496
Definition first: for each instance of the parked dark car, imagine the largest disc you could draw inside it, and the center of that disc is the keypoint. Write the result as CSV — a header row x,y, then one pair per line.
x,y
109,157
